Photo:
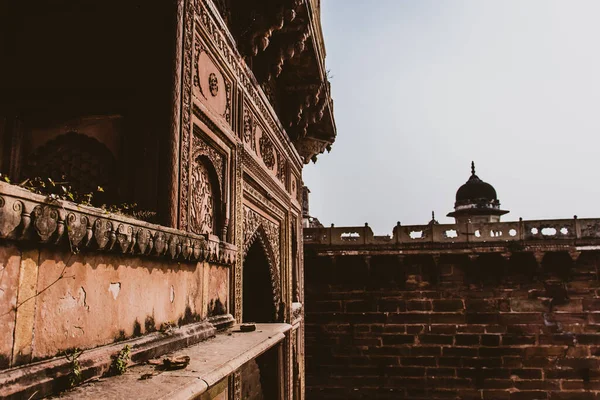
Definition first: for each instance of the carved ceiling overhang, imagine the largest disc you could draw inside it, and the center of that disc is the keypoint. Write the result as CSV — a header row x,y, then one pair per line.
x,y
282,42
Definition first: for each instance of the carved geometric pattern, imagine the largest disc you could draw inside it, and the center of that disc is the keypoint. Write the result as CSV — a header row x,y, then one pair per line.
x,y
239,232
249,129
186,114
280,167
257,227
227,113
237,385
82,161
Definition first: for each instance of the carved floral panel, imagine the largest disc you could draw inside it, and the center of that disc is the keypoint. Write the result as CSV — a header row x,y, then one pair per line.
x,y
207,180
202,217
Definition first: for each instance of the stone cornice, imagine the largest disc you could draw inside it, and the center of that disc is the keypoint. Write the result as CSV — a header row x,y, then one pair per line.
x,y
30,217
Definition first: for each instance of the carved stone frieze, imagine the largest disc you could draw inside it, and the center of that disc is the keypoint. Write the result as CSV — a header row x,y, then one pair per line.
x,y
257,227
268,204
26,216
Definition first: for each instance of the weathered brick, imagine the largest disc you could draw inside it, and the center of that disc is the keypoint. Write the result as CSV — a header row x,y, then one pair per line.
x,y
529,395
418,305
515,340
436,339
419,361
490,340
466,340
448,305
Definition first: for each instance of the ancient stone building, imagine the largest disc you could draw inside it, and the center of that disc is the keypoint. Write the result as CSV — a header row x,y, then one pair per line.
x,y
471,310
202,113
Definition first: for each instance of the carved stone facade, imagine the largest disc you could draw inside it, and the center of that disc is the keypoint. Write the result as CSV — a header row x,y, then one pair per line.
x,y
214,153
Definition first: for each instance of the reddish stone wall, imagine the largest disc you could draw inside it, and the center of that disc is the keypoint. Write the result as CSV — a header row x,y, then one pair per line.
x,y
91,299
407,328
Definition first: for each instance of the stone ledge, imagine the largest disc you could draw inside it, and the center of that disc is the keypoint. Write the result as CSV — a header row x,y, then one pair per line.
x,y
211,361
26,216
46,377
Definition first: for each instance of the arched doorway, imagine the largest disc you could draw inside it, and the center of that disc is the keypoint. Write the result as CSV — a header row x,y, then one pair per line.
x,y
259,376
258,304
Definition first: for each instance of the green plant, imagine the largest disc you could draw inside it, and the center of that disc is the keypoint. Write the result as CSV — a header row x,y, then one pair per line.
x,y
75,375
120,361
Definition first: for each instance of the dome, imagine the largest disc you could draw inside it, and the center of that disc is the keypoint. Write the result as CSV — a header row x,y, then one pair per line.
x,y
476,201
475,190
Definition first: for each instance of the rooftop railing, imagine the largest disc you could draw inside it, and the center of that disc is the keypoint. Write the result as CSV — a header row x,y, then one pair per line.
x,y
512,231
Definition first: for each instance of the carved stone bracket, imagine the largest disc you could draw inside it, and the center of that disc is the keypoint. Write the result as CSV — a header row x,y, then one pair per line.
x,y
309,148
26,216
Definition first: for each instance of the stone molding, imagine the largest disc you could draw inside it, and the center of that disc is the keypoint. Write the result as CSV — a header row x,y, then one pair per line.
x,y
26,216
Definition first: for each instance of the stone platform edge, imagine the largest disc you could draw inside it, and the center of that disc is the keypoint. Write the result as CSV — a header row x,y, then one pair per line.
x,y
43,378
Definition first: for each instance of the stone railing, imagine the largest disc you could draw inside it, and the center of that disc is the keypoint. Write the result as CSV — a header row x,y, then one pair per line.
x,y
540,230
26,216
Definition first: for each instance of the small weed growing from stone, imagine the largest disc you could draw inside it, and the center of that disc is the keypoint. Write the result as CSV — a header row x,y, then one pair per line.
x,y
74,367
120,361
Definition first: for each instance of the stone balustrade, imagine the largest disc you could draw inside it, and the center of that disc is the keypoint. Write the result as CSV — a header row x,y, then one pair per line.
x,y
26,216
499,232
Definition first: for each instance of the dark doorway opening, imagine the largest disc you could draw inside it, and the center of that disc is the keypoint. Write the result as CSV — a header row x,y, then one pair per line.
x,y
259,377
258,290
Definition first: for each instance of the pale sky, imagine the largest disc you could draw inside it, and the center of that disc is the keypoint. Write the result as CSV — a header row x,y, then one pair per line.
x,y
423,87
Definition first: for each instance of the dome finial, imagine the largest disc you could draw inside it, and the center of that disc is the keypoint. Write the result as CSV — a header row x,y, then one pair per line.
x,y
433,215
472,167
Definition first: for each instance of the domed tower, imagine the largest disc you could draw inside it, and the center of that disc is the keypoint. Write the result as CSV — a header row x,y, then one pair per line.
x,y
476,201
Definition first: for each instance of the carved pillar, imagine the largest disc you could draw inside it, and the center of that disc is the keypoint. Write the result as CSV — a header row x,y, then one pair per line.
x,y
170,202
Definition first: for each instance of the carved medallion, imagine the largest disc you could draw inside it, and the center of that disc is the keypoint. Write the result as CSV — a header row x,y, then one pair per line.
x,y
213,84
267,152
202,204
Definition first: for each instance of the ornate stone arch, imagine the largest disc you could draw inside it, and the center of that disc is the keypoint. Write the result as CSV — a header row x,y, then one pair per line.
x,y
266,232
206,205
261,236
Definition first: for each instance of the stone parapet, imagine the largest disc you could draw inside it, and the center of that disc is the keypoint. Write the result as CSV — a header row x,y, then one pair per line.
x,y
26,216
563,230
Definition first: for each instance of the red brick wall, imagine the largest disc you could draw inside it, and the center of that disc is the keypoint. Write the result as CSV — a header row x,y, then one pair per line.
x,y
382,327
